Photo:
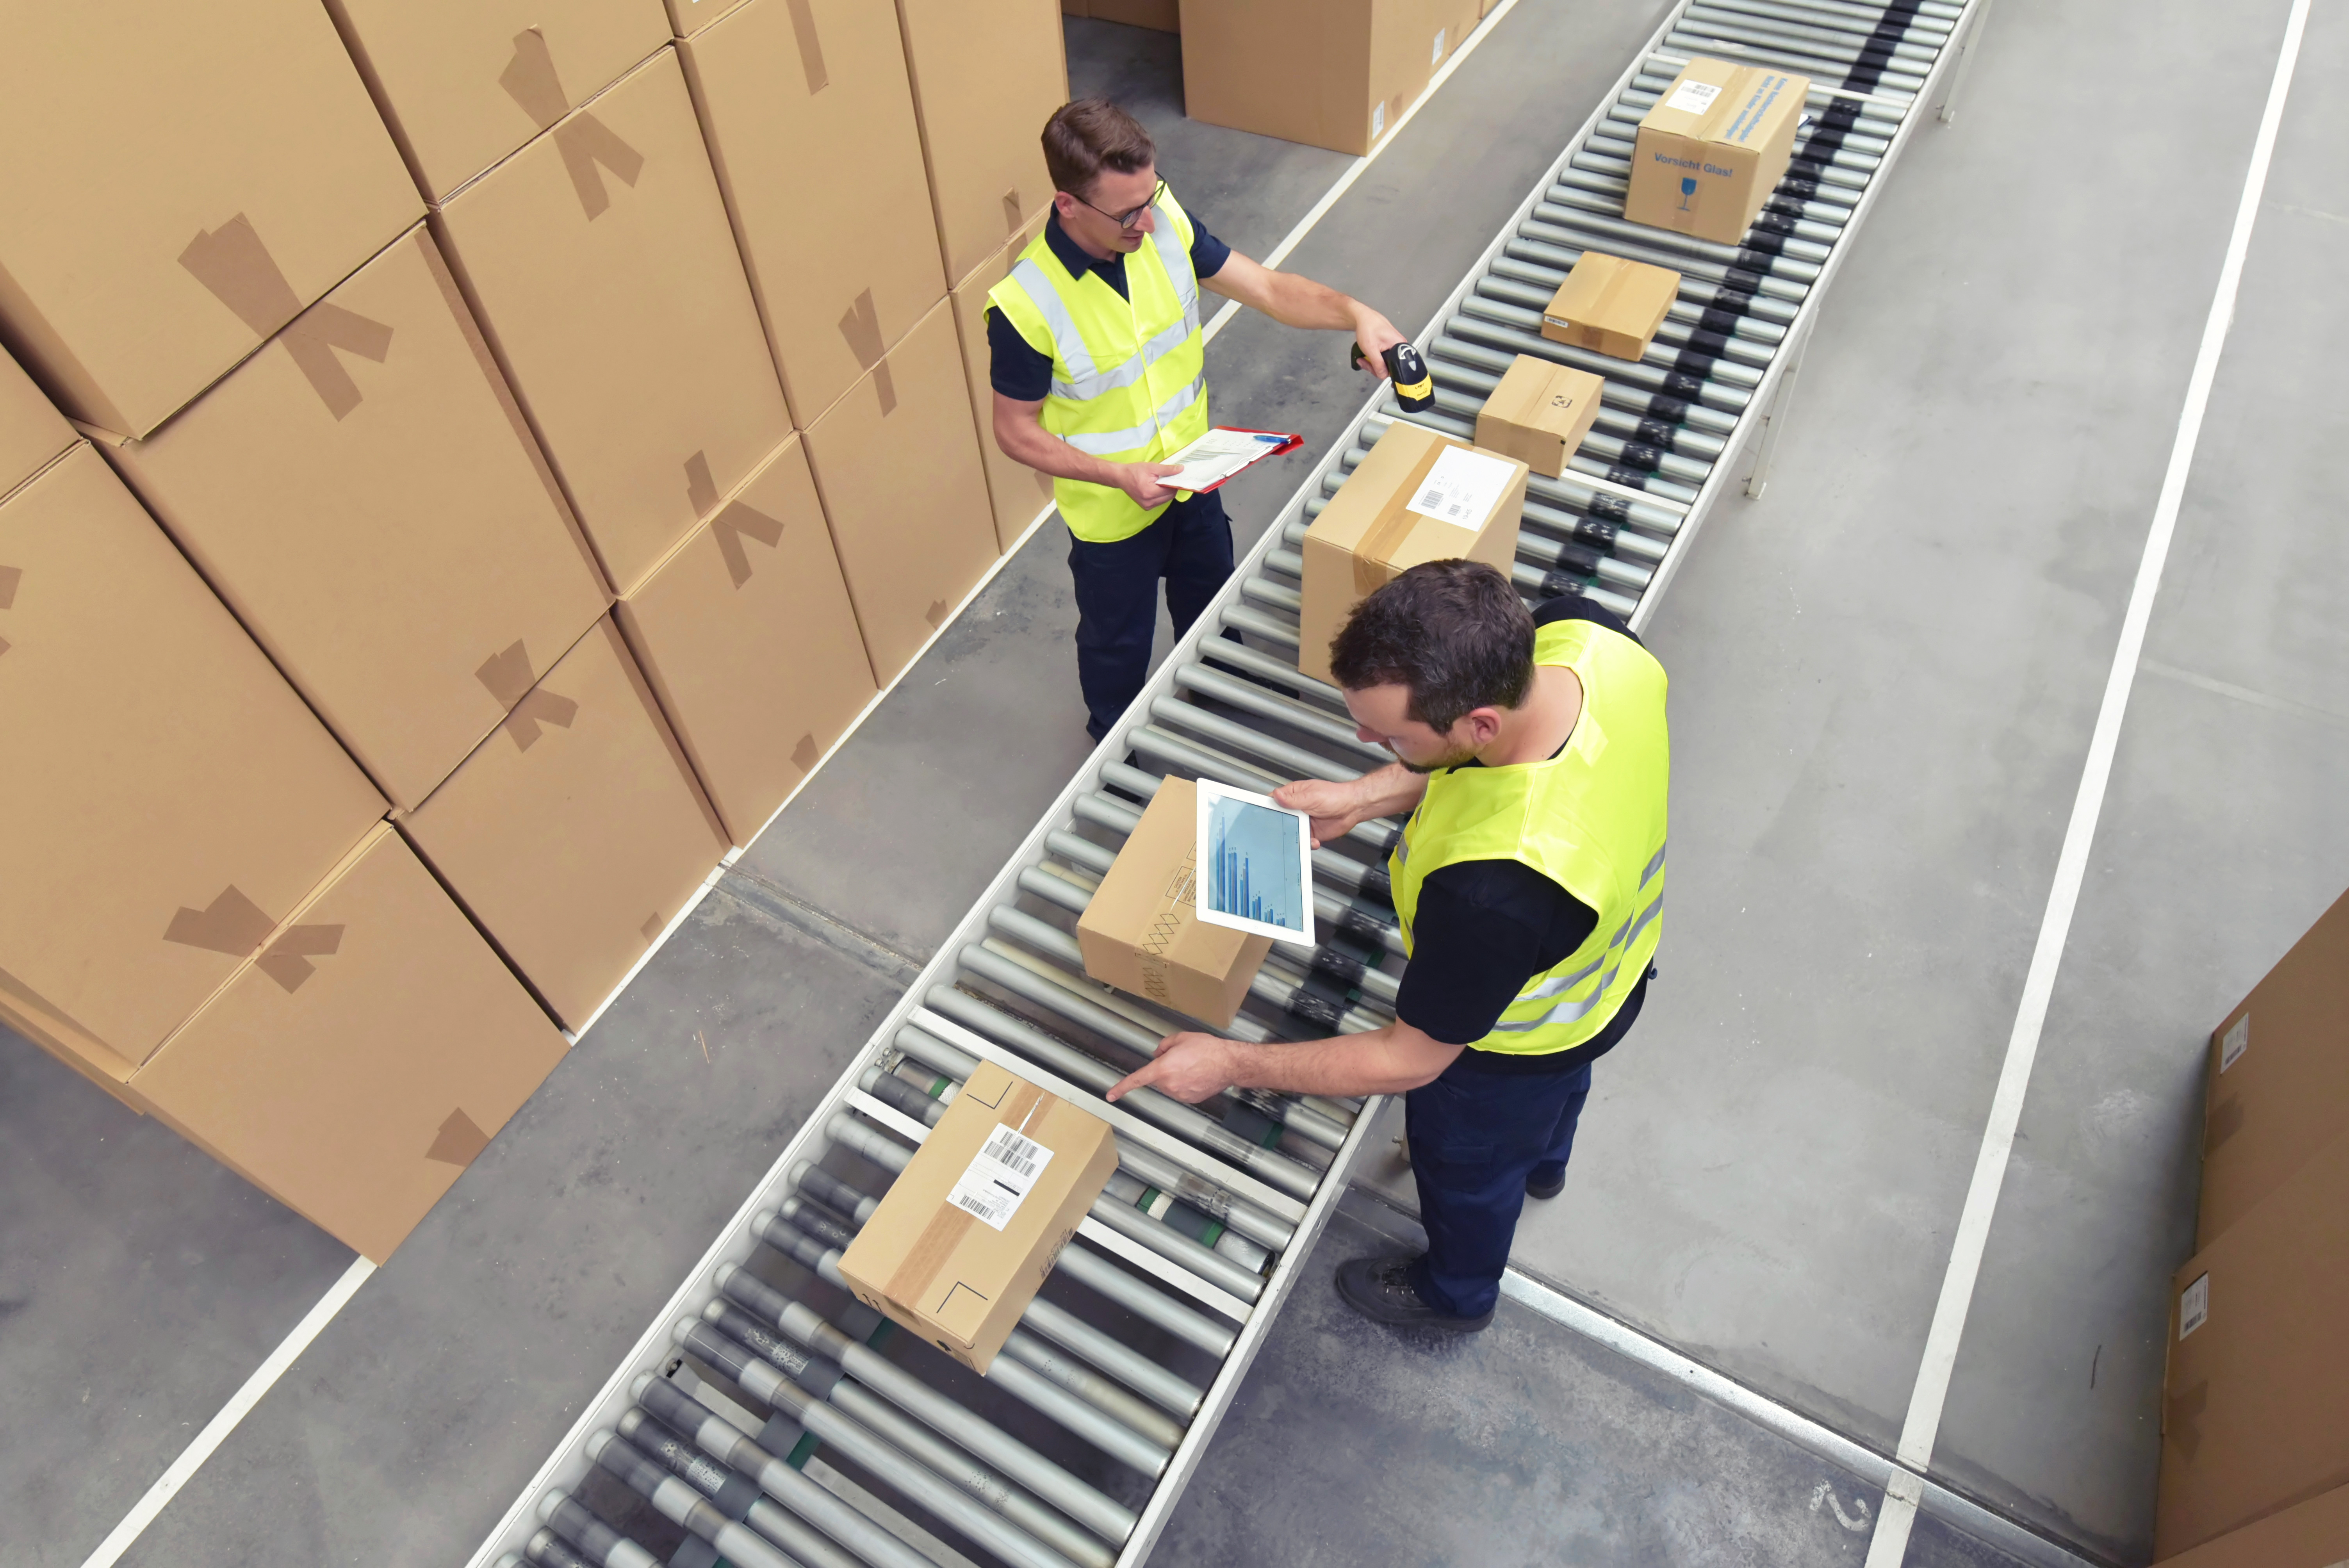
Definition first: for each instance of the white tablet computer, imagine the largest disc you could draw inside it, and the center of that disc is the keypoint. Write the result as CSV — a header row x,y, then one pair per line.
x,y
1255,864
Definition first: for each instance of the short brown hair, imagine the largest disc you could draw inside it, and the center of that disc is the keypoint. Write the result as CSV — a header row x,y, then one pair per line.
x,y
1453,633
1084,137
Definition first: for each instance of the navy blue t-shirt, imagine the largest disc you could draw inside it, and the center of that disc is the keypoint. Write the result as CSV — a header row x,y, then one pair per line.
x,y
1484,928
1021,374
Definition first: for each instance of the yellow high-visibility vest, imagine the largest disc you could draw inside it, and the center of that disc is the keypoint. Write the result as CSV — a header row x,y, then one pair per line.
x,y
1129,376
1591,819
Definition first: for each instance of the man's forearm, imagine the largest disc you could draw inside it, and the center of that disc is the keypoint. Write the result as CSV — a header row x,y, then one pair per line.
x,y
1296,301
1392,791
1368,1063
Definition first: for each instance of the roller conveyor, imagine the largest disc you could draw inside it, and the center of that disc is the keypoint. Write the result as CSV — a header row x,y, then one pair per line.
x,y
771,1418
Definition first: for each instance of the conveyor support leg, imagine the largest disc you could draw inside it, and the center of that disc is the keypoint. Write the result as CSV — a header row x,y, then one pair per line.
x,y
1966,51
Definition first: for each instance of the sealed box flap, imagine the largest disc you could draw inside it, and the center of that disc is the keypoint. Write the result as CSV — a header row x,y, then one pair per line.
x,y
1147,901
1613,294
1726,105
1373,517
1535,395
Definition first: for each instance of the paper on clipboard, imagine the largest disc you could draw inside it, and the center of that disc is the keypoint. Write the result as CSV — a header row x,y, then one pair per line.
x,y
1221,453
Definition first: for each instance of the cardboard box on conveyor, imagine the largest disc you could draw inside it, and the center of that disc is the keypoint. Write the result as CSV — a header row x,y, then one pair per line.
x,y
973,1224
1610,306
1713,147
1142,933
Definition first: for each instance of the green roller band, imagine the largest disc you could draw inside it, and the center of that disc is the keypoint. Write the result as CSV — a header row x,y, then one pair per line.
x,y
802,1451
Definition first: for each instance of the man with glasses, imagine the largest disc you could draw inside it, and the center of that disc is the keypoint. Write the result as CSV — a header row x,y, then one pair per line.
x,y
1099,373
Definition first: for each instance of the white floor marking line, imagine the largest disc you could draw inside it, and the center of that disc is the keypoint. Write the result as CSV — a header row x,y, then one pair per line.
x,y
1922,1427
216,1431
1279,253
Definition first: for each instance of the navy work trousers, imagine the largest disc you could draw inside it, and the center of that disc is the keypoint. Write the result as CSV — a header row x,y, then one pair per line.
x,y
1474,1138
1190,545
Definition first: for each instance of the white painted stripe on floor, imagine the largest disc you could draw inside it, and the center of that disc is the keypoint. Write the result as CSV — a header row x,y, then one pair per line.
x,y
216,1431
1279,253
1923,1425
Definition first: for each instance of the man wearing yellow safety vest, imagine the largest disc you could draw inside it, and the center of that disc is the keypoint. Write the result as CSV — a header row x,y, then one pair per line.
x,y
1532,755
1099,372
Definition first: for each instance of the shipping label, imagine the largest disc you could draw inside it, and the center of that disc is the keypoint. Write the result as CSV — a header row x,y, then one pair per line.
x,y
999,1175
2194,1305
1462,489
2234,1042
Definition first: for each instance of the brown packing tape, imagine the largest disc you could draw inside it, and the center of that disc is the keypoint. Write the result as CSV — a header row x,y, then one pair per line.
x,y
917,1273
1374,556
312,340
806,754
507,675
287,962
811,46
10,578
733,520
1012,212
530,80
937,614
233,263
1182,889
460,1141
232,923
482,357
585,142
652,926
861,327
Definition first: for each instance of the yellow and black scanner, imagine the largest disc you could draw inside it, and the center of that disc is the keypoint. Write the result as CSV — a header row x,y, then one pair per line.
x,y
1414,386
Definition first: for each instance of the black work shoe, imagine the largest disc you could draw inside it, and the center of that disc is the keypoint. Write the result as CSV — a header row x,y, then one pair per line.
x,y
1380,1290
1536,1187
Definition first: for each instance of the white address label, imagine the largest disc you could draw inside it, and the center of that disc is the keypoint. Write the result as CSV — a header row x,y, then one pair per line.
x,y
999,1175
2194,1306
1462,489
2234,1042
1692,97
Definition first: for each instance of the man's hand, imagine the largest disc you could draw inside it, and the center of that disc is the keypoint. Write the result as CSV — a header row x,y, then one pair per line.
x,y
1141,480
1376,335
1190,1067
1336,808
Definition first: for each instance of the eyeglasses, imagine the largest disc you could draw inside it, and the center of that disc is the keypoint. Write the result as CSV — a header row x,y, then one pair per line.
x,y
1127,219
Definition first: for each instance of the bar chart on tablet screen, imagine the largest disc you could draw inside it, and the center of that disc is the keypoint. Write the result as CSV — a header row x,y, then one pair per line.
x,y
1254,864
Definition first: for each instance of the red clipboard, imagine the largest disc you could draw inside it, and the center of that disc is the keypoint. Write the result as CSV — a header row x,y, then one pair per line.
x,y
1290,443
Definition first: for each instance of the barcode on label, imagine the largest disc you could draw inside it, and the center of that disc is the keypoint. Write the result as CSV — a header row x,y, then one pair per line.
x,y
1440,505
2194,1305
2235,1042
1692,97
998,1176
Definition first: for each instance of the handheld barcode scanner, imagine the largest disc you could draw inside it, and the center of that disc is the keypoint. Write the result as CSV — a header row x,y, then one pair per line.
x,y
1414,388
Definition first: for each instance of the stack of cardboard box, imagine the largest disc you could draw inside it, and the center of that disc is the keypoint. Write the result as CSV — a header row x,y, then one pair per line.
x,y
2254,1456
554,447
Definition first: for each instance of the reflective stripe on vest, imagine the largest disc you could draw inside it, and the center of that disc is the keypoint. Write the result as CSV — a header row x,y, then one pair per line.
x,y
1129,381
1591,819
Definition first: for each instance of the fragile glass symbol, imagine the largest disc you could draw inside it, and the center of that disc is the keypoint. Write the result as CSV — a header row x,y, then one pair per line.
x,y
1688,189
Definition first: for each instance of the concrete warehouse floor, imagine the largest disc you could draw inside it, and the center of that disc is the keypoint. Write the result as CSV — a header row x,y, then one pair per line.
x,y
1885,675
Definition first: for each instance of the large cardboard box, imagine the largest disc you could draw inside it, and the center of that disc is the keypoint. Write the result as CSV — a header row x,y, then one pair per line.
x,y
1330,73
2313,1534
462,83
1141,932
600,264
168,798
747,639
1017,492
180,181
2258,1364
1610,306
576,832
1539,413
986,78
781,86
973,1224
1370,533
897,465
32,432
2278,1076
358,1065
1713,147
364,495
